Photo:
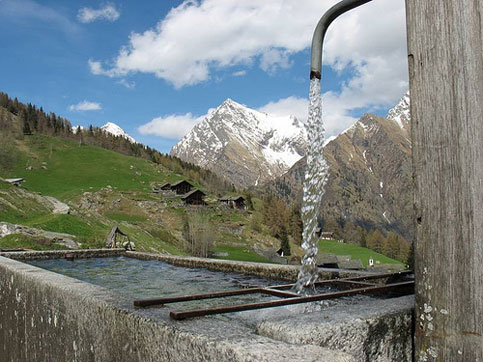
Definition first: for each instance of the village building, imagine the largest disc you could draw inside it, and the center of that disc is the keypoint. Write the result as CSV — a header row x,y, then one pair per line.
x,y
194,197
15,181
165,187
181,187
235,202
117,238
161,188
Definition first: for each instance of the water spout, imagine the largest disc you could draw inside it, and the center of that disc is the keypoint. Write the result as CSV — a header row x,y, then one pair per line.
x,y
317,169
319,33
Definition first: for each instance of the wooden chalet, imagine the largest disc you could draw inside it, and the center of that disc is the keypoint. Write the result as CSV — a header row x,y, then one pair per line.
x,y
161,188
165,187
15,181
181,187
194,197
324,234
235,202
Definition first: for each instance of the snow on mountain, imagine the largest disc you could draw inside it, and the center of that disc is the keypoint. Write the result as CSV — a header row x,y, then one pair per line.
x,y
248,145
400,113
76,129
115,130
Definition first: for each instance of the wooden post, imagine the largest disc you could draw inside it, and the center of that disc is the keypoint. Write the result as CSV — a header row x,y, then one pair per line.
x,y
446,83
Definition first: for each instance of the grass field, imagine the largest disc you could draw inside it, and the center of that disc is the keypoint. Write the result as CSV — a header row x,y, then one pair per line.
x,y
356,252
241,253
14,241
63,169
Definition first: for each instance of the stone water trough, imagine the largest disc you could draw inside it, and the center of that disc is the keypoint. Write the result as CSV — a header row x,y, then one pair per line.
x,y
47,316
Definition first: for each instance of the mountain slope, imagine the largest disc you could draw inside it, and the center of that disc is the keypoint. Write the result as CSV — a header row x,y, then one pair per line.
x,y
246,146
369,180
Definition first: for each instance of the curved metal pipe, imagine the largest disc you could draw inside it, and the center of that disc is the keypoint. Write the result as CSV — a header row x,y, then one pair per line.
x,y
319,33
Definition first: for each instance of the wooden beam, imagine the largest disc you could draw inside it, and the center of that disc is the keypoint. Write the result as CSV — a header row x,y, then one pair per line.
x,y
445,53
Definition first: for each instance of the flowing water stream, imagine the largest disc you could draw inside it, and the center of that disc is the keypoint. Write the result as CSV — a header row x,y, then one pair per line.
x,y
315,179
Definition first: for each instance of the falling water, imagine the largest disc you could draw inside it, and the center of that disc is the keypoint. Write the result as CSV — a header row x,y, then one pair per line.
x,y
315,179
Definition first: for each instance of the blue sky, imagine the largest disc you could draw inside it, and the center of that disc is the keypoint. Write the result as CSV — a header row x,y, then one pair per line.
x,y
164,64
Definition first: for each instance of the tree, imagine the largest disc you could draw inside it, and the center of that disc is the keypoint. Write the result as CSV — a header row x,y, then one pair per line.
x,y
199,235
375,241
284,244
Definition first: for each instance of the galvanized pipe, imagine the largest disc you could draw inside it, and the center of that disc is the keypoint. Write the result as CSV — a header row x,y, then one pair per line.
x,y
319,33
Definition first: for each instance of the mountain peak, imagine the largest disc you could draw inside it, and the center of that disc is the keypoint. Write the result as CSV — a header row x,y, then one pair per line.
x,y
115,130
400,113
249,146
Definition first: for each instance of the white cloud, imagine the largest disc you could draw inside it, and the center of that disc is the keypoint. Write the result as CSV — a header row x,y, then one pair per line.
x,y
28,11
126,83
107,12
239,73
294,106
171,126
85,106
197,38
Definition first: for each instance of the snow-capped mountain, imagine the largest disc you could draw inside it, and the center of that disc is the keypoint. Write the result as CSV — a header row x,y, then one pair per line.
x,y
400,113
110,128
369,174
115,130
76,129
247,146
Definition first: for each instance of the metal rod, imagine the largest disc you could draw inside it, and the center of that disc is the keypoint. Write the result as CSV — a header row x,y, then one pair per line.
x,y
273,290
353,282
178,315
322,26
185,298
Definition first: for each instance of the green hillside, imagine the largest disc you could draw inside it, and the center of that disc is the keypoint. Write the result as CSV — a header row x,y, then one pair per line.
x,y
356,252
63,168
104,188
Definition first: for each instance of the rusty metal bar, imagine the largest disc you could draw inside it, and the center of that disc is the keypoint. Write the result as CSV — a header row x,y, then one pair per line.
x,y
178,315
273,290
353,282
185,298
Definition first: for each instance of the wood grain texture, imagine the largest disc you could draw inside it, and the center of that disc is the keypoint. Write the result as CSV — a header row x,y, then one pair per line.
x,y
445,46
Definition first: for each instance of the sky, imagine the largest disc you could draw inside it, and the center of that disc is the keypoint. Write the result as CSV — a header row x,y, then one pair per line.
x,y
156,68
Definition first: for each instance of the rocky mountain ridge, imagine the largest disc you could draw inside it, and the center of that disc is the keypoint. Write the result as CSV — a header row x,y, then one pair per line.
x,y
246,146
369,180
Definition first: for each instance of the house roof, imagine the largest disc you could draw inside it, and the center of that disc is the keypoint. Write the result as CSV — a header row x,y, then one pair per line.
x,y
180,182
13,180
231,198
192,192
165,185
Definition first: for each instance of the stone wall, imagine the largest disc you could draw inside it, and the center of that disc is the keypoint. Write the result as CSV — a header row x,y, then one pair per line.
x,y
48,317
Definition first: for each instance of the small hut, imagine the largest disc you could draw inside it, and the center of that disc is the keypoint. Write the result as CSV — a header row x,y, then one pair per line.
x,y
181,187
194,197
117,238
160,188
165,187
15,181
235,202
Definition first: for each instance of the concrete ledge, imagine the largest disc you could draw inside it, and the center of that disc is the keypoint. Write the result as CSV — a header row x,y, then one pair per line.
x,y
45,316
48,317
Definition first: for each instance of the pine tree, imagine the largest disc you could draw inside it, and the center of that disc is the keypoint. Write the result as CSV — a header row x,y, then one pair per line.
x,y
284,244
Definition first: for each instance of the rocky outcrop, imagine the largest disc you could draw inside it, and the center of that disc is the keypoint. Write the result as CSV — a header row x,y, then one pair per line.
x,y
66,240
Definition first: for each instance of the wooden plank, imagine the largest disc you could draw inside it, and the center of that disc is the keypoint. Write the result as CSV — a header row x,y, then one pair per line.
x,y
445,47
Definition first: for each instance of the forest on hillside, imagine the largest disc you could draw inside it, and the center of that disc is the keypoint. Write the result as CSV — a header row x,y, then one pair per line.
x,y
18,120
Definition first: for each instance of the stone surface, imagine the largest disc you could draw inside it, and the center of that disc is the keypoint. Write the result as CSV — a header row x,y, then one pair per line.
x,y
56,318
